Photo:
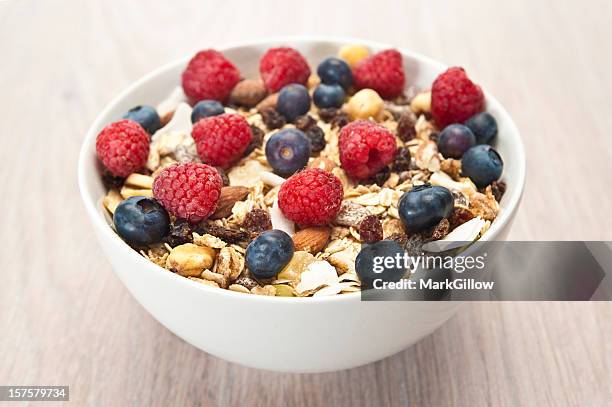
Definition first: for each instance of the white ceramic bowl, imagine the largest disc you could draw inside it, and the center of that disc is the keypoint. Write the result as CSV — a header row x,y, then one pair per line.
x,y
278,333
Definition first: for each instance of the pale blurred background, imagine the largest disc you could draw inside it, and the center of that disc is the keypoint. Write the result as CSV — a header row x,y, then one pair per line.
x,y
67,320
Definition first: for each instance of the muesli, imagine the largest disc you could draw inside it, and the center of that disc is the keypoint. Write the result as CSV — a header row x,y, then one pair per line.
x,y
271,185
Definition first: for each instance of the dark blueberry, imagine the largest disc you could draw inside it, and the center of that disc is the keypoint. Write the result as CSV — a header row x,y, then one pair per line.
x,y
206,108
293,101
455,140
269,253
484,127
288,151
482,164
326,96
373,262
335,71
141,221
146,116
424,206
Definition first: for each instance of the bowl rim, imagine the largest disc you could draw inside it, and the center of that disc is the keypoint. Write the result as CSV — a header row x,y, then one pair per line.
x,y
107,233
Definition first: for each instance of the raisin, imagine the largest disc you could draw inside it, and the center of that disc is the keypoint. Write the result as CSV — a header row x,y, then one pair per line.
x,y
412,244
257,221
256,141
381,177
110,181
272,119
437,232
328,114
402,160
226,234
305,122
370,229
498,188
340,120
459,216
317,139
223,175
181,232
405,127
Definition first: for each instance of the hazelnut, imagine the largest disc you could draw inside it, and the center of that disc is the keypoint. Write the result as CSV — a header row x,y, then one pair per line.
x,y
365,104
190,260
353,53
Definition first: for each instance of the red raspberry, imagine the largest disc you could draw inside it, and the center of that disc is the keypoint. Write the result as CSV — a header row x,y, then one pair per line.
x,y
282,66
311,197
188,191
455,98
365,148
123,147
383,72
221,140
209,75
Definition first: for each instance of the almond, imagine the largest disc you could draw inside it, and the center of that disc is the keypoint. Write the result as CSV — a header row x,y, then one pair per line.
x,y
269,101
229,196
312,240
248,92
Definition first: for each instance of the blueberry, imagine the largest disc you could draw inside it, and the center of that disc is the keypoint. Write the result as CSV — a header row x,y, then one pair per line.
x,y
370,262
335,71
328,96
141,221
484,127
206,108
269,253
482,164
425,206
146,116
455,140
293,101
288,151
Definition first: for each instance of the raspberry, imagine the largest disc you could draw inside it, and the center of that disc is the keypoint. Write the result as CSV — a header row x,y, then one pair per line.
x,y
221,140
383,72
282,66
209,75
455,98
311,197
123,147
188,191
365,148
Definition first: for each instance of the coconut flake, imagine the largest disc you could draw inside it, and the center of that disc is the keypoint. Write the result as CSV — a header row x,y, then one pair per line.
x,y
279,221
467,232
317,274
180,122
171,102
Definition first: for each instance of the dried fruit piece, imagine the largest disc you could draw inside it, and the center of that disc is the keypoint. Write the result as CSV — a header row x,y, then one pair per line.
x,y
405,127
370,229
181,232
498,188
226,234
256,141
402,160
272,119
257,221
351,214
305,122
439,231
459,216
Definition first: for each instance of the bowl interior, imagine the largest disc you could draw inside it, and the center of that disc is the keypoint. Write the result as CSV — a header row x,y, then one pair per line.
x,y
156,86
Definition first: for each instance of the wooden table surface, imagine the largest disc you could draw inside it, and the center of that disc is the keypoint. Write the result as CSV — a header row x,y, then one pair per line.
x,y
65,319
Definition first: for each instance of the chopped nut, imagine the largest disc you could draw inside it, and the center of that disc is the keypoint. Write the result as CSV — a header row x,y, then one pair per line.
x,y
268,290
392,227
139,181
190,259
239,288
427,156
323,163
216,277
208,240
351,214
269,102
246,281
452,167
127,192
204,282
112,200
483,205
229,263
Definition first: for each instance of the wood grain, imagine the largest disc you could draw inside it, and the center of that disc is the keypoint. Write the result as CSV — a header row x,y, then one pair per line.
x,y
65,318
